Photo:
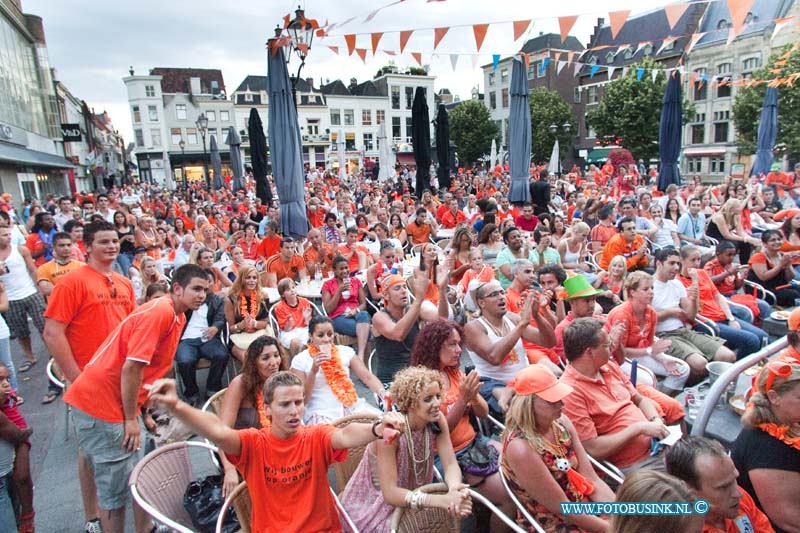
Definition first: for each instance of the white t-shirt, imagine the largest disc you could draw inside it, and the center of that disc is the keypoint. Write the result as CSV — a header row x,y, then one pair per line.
x,y
323,401
198,322
668,296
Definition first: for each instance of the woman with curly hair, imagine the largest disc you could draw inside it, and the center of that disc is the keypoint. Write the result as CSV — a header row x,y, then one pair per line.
x,y
246,311
491,241
438,347
389,473
458,253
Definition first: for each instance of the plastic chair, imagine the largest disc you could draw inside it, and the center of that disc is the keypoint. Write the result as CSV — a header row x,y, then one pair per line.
x,y
159,481
424,520
242,504
759,290
520,508
707,324
56,376
344,470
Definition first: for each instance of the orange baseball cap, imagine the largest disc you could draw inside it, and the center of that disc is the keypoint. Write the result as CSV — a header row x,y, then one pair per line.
x,y
390,281
539,380
794,320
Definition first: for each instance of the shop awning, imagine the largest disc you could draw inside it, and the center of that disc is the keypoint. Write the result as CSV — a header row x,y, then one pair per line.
x,y
23,156
598,155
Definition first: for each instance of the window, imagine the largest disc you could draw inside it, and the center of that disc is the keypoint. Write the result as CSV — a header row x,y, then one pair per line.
x,y
348,117
368,141
137,116
409,97
180,111
541,69
698,133
149,91
648,49
155,136
504,75
491,78
593,60
152,113
349,142
409,127
336,117
139,137
717,165
610,57
750,64
532,68
722,24
191,135
211,116
366,117
576,95
723,68
492,100
504,96
592,96
590,133
694,165
721,132
175,136
395,97
749,18
313,126
212,132
380,116
225,116
396,125
628,53
669,46
724,87
700,85
248,97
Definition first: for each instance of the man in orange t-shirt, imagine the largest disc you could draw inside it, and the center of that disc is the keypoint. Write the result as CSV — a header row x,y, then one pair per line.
x,y
286,465
285,264
453,217
107,396
271,243
421,228
627,244
62,264
318,253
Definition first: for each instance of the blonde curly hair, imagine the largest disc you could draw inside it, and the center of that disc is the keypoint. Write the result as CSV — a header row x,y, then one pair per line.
x,y
409,383
759,408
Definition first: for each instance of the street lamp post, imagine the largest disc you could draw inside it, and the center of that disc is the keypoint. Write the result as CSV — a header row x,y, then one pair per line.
x,y
182,144
202,125
301,31
566,126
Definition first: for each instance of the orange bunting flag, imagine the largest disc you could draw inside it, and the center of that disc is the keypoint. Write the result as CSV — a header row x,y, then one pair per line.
x,y
738,10
362,53
376,38
780,24
480,33
438,35
520,27
334,49
617,20
390,52
527,58
303,47
674,12
321,33
350,39
286,18
404,37
566,24
418,57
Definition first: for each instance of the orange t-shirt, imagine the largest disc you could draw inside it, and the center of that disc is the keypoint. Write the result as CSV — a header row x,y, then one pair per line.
x,y
34,243
750,518
149,335
316,218
269,247
450,221
281,269
602,234
463,433
636,335
708,307
485,275
418,234
86,302
289,479
352,264
283,312
311,255
52,271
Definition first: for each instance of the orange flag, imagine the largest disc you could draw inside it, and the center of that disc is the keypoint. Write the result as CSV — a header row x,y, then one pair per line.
x,y
520,27
404,37
566,24
351,43
674,12
376,38
617,19
418,57
480,33
362,53
527,58
334,49
438,35
738,10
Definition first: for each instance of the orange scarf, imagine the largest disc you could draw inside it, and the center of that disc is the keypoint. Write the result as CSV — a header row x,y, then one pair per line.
x,y
336,376
780,433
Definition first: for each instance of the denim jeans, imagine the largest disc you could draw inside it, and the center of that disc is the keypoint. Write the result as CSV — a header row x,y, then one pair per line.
x,y
764,309
189,352
8,521
125,261
5,358
746,340
347,325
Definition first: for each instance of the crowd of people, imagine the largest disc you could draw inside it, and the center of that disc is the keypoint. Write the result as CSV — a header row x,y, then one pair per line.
x,y
574,320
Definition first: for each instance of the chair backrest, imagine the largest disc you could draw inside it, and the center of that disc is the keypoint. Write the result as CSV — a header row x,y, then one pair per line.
x,y
427,519
158,483
214,404
344,470
242,504
55,374
520,508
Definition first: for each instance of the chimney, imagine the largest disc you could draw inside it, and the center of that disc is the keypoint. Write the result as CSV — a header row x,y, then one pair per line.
x,y
194,86
353,83
310,82
34,25
600,22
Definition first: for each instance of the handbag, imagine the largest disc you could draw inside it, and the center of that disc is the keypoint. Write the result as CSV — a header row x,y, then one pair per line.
x,y
479,458
203,502
244,339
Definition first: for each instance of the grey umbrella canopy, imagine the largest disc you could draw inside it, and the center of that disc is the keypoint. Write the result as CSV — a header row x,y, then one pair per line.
x,y
285,148
421,141
443,147
519,134
234,142
216,163
767,133
258,156
669,133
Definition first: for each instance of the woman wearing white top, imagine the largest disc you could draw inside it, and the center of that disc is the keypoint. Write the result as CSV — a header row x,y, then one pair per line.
x,y
325,370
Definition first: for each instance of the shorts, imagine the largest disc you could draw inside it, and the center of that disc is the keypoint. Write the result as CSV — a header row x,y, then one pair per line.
x,y
685,342
286,337
101,444
20,310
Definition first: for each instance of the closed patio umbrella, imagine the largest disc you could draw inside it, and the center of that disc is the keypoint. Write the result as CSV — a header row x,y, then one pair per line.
x,y
216,162
234,142
669,133
421,141
258,156
340,145
285,148
493,156
553,167
767,133
519,134
443,147
386,169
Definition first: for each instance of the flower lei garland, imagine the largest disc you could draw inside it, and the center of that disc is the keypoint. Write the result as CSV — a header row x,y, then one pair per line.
x,y
262,412
338,380
780,433
248,306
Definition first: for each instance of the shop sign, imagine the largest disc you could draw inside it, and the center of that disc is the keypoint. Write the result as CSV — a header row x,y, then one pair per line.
x,y
6,133
71,132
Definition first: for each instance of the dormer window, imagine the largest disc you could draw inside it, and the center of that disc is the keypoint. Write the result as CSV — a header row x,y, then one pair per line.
x,y
668,46
628,53
248,97
722,24
593,60
610,57
648,49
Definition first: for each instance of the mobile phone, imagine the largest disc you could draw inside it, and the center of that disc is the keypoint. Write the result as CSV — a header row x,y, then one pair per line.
x,y
468,369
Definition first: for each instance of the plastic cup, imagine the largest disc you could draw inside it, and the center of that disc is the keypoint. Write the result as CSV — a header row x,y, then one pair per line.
x,y
693,409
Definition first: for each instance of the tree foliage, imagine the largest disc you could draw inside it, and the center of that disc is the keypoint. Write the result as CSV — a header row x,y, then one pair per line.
x,y
472,130
749,100
547,107
630,110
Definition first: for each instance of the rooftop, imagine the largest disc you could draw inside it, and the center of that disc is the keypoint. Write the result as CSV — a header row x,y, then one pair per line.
x,y
176,80
760,18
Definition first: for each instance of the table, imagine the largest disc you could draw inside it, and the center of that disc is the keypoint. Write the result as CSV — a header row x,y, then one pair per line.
x,y
310,289
445,233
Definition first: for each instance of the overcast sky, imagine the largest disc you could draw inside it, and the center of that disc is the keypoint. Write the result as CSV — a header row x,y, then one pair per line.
x,y
91,43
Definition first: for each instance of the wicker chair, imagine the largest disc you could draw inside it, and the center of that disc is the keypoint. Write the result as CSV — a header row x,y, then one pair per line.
x,y
159,481
240,500
344,470
428,519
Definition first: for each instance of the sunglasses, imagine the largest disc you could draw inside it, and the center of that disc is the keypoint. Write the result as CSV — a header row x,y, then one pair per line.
x,y
782,369
113,286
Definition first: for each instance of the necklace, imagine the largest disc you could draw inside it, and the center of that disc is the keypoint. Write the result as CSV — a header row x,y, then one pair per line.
x,y
418,466
537,440
511,356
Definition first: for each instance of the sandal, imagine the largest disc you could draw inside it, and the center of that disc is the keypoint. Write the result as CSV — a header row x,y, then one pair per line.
x,y
50,397
25,523
27,365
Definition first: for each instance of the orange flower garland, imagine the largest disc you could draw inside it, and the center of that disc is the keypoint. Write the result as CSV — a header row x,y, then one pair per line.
x,y
780,433
262,412
338,380
248,306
